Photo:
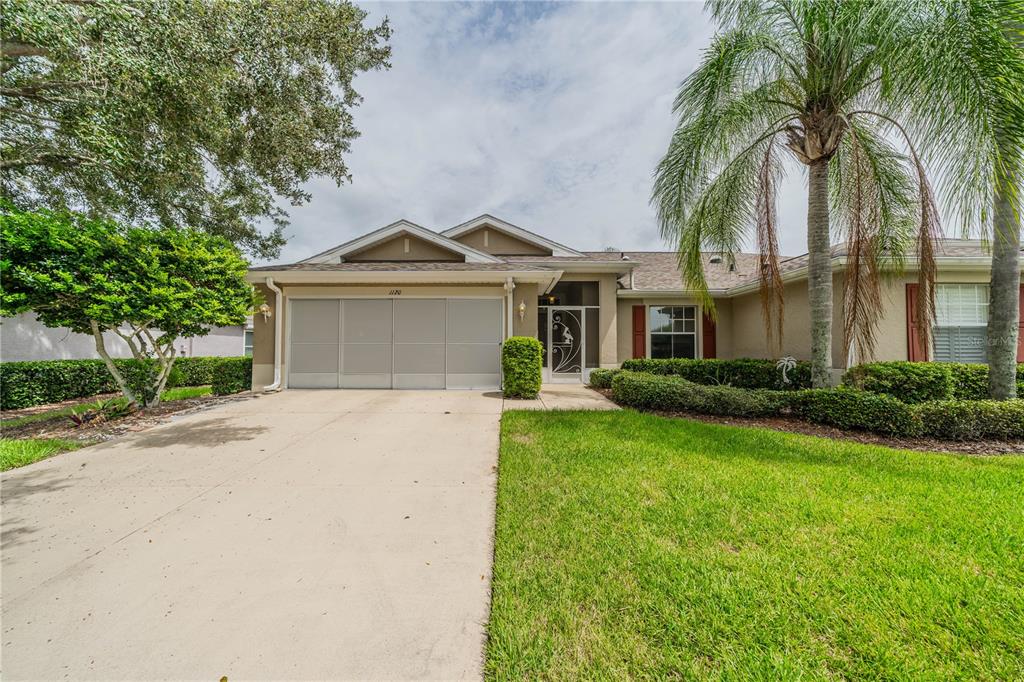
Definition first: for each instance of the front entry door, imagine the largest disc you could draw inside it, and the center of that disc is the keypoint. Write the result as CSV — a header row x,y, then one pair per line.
x,y
565,344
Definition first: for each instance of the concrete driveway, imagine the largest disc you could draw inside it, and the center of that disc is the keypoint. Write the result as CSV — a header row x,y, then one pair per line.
x,y
303,535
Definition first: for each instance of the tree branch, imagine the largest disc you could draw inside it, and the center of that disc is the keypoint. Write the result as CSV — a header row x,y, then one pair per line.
x,y
101,349
54,159
17,50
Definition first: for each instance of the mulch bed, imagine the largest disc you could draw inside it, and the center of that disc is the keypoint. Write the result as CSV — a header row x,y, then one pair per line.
x,y
94,431
791,425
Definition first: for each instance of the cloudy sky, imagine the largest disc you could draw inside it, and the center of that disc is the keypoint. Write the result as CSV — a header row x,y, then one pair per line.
x,y
549,115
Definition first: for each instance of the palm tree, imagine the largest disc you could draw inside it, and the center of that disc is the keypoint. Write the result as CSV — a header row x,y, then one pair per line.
x,y
828,83
984,111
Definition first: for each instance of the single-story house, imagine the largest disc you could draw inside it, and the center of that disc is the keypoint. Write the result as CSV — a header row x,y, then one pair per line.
x,y
407,307
23,337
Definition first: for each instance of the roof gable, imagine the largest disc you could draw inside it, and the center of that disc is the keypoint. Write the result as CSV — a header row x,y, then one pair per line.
x,y
543,244
390,232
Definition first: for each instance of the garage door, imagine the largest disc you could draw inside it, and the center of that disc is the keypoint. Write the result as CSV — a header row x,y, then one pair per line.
x,y
395,343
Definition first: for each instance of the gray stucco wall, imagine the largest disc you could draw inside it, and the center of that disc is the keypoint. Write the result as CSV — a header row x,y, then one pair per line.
x,y
23,338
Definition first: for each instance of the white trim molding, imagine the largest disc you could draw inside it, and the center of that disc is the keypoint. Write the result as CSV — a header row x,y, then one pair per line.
x,y
513,231
336,253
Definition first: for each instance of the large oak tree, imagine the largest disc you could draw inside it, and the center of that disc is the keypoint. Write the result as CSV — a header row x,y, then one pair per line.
x,y
180,112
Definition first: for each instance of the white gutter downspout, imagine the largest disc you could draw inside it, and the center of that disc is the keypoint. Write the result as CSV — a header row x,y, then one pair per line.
x,y
278,296
509,288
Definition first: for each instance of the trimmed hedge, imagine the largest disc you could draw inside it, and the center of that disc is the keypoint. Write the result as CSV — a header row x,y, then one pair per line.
x,y
843,407
25,384
741,373
917,382
972,419
909,382
231,375
645,391
521,366
602,378
852,409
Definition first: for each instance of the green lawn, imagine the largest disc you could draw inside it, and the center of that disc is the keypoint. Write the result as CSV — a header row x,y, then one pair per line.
x,y
18,453
630,545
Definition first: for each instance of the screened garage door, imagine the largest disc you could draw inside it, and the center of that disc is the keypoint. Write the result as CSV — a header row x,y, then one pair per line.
x,y
395,343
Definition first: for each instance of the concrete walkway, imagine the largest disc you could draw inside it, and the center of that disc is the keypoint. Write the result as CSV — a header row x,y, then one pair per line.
x,y
564,397
327,535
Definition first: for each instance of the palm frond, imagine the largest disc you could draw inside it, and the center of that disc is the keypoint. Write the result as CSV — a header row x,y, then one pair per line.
x,y
871,194
772,300
718,219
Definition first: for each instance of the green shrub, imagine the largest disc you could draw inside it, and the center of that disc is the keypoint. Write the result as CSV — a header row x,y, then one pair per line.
x,y
25,384
970,381
972,419
602,378
909,382
741,373
231,375
521,367
646,391
918,382
196,371
848,408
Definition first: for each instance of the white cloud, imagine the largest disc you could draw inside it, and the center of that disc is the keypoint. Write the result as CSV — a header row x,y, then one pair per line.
x,y
551,116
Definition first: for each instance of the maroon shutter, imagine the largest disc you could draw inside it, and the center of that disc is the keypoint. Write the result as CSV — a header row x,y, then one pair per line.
x,y
1020,328
639,331
916,352
708,337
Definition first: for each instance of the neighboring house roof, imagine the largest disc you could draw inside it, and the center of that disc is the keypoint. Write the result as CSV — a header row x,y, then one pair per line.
x,y
639,272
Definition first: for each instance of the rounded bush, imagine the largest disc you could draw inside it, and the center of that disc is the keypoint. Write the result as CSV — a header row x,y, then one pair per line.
x,y
521,367
602,378
909,382
918,382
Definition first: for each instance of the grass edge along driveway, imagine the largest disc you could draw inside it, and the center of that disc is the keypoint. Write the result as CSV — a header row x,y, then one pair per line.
x,y
631,545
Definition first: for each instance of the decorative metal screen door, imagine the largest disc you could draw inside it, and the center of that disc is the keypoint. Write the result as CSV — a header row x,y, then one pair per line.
x,y
565,343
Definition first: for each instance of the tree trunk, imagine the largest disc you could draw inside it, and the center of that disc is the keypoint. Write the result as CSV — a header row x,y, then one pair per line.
x,y
1004,300
101,348
819,274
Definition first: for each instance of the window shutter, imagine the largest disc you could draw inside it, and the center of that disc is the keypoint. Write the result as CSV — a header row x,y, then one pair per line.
x,y
708,337
1020,327
639,331
916,352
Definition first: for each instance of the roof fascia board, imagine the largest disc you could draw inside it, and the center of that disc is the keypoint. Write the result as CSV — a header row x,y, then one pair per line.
x,y
388,276
620,267
666,293
512,230
382,234
839,262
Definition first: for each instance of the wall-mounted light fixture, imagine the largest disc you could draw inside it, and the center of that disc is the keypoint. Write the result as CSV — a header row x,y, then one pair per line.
x,y
266,311
522,310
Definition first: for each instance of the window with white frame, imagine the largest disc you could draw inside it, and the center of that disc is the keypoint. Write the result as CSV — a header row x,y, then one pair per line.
x,y
247,349
961,317
673,331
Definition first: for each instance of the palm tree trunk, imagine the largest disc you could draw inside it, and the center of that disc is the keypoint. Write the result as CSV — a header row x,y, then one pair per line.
x,y
1004,301
819,277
